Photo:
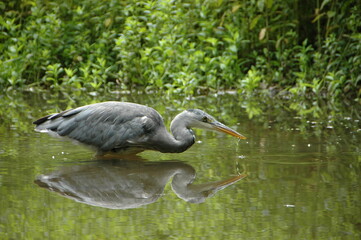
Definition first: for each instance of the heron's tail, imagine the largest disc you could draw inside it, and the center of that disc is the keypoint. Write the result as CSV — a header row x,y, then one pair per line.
x,y
49,122
46,124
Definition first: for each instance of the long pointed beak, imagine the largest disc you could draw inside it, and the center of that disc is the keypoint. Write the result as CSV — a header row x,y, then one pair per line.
x,y
225,183
223,128
209,189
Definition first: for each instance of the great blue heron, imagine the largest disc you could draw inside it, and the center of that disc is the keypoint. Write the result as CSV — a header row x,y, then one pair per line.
x,y
128,128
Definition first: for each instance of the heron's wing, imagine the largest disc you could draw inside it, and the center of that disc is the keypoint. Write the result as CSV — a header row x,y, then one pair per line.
x,y
107,126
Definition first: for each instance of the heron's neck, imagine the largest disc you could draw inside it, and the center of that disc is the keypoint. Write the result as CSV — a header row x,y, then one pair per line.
x,y
183,136
180,140
182,180
184,189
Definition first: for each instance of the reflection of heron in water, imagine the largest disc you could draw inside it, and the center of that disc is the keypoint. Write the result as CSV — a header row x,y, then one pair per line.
x,y
122,184
122,127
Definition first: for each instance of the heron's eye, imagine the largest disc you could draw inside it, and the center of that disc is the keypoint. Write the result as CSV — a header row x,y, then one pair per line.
x,y
205,119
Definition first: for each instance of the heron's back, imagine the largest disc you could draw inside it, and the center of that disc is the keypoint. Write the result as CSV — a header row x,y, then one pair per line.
x,y
107,126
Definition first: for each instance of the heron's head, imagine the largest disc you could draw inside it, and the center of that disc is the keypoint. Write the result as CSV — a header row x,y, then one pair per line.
x,y
199,119
198,193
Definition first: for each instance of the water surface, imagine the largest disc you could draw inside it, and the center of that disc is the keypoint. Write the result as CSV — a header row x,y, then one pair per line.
x,y
303,175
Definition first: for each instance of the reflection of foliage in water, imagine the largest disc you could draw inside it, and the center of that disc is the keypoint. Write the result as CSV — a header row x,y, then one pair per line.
x,y
293,191
320,120
18,110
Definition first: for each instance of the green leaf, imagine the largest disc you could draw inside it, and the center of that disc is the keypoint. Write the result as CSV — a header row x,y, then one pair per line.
x,y
269,3
254,21
331,14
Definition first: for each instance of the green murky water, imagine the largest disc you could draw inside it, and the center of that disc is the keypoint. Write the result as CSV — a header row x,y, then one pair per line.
x,y
303,175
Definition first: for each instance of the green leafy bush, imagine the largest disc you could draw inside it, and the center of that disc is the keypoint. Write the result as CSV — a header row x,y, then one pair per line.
x,y
308,48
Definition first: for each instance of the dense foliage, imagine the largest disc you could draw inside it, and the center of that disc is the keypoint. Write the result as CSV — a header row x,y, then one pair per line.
x,y
307,48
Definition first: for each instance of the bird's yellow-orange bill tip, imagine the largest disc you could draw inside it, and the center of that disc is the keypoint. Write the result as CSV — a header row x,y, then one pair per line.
x,y
231,180
229,131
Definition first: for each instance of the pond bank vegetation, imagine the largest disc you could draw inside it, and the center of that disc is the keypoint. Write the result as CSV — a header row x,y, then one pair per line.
x,y
308,50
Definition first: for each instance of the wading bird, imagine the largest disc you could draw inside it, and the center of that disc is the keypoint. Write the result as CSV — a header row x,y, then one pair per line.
x,y
128,128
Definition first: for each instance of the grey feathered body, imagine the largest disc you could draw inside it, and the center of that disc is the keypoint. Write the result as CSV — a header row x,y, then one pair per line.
x,y
113,127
